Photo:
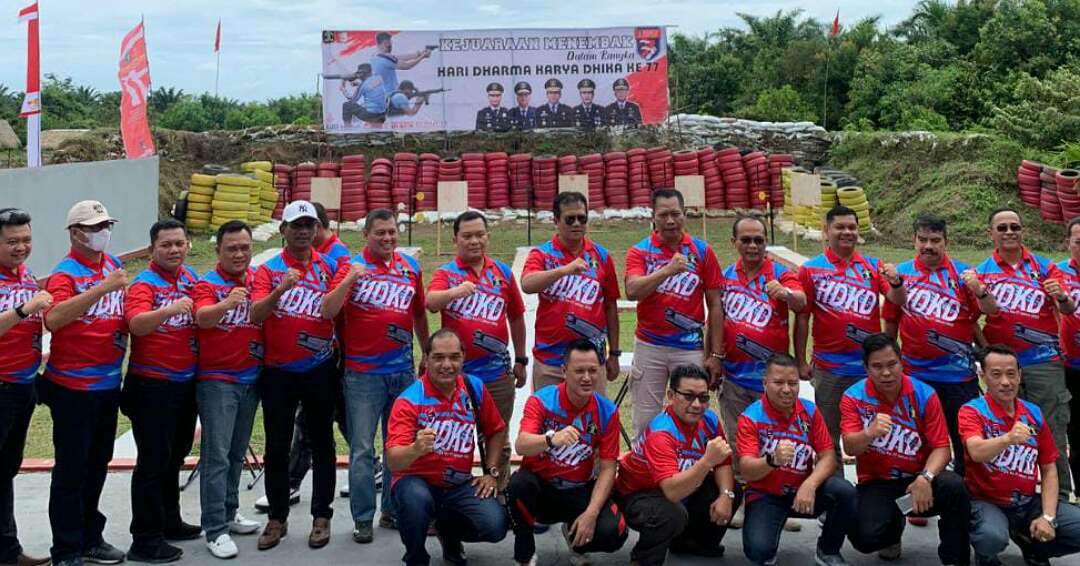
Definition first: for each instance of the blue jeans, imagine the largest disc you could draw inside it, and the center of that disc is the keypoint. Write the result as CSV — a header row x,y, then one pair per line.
x,y
765,515
368,399
460,516
227,413
992,526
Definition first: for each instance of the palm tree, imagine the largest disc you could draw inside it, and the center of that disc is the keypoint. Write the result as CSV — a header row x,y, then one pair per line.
x,y
161,98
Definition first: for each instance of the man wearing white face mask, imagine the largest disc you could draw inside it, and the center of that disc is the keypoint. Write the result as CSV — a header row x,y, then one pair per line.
x,y
82,383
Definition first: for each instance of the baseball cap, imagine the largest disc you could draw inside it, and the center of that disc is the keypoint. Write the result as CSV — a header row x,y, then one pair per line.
x,y
298,209
88,213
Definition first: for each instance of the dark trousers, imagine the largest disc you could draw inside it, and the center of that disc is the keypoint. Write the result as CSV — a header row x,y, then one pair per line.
x,y
1072,380
662,523
459,515
765,515
162,417
17,402
531,499
879,523
84,429
282,392
300,451
952,397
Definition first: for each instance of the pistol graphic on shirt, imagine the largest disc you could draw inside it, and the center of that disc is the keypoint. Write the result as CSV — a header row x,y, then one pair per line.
x,y
488,343
856,334
1036,337
681,321
947,344
313,343
753,349
584,328
398,334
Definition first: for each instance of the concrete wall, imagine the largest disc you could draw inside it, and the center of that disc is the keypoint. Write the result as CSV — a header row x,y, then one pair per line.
x,y
128,188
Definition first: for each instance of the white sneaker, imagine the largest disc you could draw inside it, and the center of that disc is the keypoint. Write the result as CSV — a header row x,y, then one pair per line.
x,y
241,525
223,547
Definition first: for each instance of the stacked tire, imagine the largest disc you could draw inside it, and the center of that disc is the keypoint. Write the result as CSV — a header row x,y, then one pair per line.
x,y
777,163
1049,204
592,165
639,185
1029,183
661,168
353,187
403,188
855,199
498,179
714,183
520,180
545,169
476,177
686,162
268,196
199,199
829,199
736,188
328,170
379,184
232,199
757,175
283,186
428,183
616,181
568,165
1067,180
301,185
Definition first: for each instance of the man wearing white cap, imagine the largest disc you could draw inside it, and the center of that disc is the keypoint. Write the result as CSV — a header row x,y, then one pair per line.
x,y
82,383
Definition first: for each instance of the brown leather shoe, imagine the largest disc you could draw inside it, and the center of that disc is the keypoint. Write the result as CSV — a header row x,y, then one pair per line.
x,y
272,534
24,560
320,533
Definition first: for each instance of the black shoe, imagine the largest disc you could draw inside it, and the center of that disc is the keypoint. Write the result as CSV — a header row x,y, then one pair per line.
x,y
103,553
183,531
75,561
453,552
695,548
159,554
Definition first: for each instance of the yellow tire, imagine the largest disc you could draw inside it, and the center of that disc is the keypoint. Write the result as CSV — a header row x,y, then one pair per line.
x,y
197,215
264,176
230,215
196,197
860,208
234,189
232,197
225,205
205,180
236,180
202,190
255,165
200,206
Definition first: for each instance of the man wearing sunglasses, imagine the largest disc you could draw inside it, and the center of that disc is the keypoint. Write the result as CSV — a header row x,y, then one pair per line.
x,y
21,303
82,383
579,291
676,486
1070,344
1030,294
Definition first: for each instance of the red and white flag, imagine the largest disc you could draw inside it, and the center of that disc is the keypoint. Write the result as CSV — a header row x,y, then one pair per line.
x,y
835,25
134,89
217,38
31,106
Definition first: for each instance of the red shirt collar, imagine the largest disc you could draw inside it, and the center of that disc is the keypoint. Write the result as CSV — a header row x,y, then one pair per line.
x,y
586,245
329,243
571,410
169,277
686,429
658,242
18,273
242,280
946,263
766,270
86,261
431,391
775,413
906,388
1025,259
1000,412
293,262
841,264
379,263
488,264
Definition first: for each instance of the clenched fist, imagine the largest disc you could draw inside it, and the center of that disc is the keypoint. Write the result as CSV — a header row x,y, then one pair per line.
x,y
425,441
356,271
40,301
888,271
784,453
180,306
236,297
465,289
776,291
576,267
566,437
716,451
1020,433
678,264
1054,289
880,426
116,280
291,278
971,281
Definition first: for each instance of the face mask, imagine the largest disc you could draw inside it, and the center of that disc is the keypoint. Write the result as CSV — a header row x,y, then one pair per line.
x,y
98,241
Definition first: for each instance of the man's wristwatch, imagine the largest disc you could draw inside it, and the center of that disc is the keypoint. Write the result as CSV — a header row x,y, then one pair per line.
x,y
19,311
928,475
523,360
898,284
614,354
548,437
769,460
727,493
1050,519
716,355
984,295
493,471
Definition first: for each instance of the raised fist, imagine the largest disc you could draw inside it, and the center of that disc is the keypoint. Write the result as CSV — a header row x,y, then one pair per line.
x,y
181,306
716,451
466,289
784,452
236,297
971,281
356,271
116,280
879,426
776,291
1020,433
678,264
40,301
576,267
291,278
425,441
1053,288
888,271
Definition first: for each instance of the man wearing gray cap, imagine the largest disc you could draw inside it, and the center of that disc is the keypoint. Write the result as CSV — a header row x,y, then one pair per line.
x,y
522,116
82,383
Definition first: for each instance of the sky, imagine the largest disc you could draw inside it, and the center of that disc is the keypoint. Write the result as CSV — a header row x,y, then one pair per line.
x,y
270,48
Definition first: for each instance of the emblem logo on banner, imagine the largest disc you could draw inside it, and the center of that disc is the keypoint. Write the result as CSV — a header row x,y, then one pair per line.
x,y
648,42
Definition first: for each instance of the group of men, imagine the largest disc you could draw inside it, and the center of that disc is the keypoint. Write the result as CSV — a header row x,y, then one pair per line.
x,y
554,113
313,326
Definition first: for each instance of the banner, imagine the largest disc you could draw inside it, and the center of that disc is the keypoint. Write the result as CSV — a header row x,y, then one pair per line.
x,y
134,88
498,80
31,106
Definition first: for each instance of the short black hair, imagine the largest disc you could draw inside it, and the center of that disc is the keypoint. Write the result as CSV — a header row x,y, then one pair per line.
x,y
13,217
686,371
780,360
878,342
839,210
320,212
667,193
580,345
378,214
997,211
1069,227
167,224
930,223
740,217
231,227
467,216
566,199
999,349
443,333
382,36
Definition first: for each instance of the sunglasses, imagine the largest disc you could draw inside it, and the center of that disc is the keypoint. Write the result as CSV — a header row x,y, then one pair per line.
x,y
691,397
1003,228
14,216
747,240
582,219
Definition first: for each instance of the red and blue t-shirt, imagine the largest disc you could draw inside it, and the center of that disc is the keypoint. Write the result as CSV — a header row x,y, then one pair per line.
x,y
673,315
231,350
452,418
296,336
379,313
665,448
21,344
1070,324
761,427
1010,478
481,318
598,422
334,251
755,326
843,299
87,354
574,306
170,351
937,323
918,428
1026,319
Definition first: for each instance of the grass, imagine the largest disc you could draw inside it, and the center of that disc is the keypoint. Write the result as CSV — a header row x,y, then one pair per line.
x,y
507,236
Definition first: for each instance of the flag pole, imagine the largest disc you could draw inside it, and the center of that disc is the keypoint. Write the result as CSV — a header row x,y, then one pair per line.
x,y
217,51
825,98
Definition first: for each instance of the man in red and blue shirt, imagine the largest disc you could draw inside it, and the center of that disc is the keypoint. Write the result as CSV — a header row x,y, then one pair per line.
x,y
1030,295
21,303
787,458
937,323
230,357
570,440
434,427
894,426
479,298
676,486
1009,451
842,289
81,383
300,368
579,293
159,392
327,243
1070,340
382,292
671,276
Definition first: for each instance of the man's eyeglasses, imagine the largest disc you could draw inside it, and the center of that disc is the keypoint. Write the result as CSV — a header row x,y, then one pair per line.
x,y
571,220
1003,228
691,397
747,240
14,216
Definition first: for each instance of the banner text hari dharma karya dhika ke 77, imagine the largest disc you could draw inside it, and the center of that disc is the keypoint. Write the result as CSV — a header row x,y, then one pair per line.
x,y
498,80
